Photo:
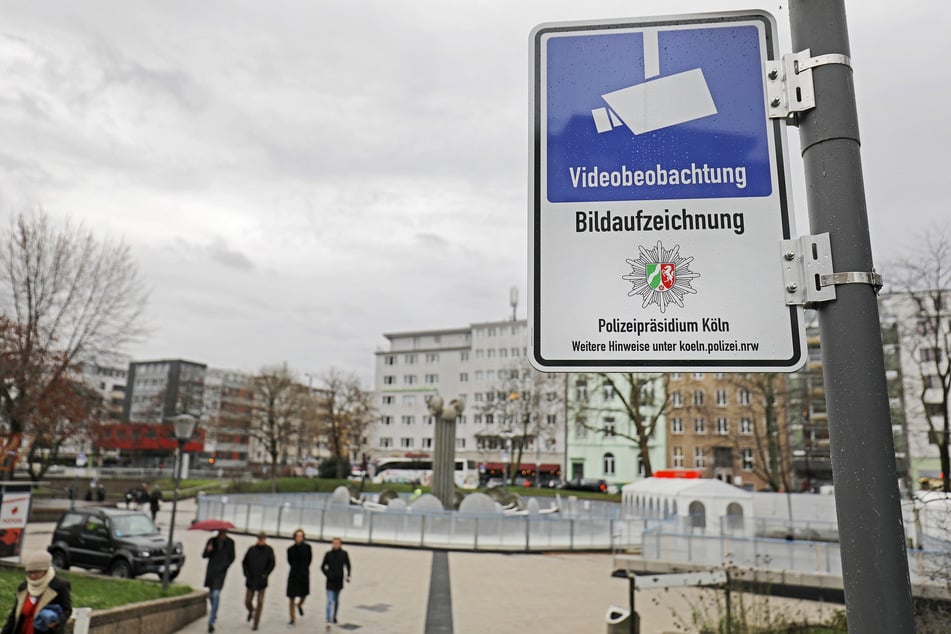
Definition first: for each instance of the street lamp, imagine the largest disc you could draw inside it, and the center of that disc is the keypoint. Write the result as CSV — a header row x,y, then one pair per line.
x,y
184,428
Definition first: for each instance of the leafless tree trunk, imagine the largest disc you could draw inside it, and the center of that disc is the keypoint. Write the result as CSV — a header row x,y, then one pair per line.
x,y
638,399
349,411
68,297
276,413
925,277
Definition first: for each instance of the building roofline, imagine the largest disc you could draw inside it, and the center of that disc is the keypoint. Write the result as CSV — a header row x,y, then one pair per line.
x,y
435,331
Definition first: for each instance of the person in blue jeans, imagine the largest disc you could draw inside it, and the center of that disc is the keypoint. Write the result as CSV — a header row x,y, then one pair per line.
x,y
219,551
335,561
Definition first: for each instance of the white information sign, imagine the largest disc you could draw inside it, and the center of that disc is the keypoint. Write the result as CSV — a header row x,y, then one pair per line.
x,y
660,197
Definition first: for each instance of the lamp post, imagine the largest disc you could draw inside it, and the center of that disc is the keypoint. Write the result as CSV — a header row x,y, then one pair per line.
x,y
184,427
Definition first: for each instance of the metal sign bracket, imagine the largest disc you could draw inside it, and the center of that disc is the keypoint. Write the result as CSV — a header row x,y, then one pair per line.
x,y
808,275
789,87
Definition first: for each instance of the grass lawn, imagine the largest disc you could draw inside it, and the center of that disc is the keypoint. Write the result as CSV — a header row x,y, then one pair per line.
x,y
92,591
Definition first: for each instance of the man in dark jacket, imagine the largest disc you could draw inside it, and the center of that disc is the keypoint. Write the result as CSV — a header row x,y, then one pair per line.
x,y
42,594
335,560
258,563
219,551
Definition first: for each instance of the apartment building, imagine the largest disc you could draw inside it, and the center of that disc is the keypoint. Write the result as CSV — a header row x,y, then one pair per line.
x,y
513,413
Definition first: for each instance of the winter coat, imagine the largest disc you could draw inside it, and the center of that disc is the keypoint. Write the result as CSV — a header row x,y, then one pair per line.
x,y
299,557
219,560
258,563
332,567
58,593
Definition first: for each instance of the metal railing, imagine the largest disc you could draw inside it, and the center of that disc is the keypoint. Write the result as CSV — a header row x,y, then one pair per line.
x,y
282,514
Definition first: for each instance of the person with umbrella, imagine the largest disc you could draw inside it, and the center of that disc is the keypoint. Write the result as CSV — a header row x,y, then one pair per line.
x,y
299,556
219,551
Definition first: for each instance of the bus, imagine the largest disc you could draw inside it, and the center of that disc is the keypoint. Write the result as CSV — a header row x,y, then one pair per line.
x,y
420,471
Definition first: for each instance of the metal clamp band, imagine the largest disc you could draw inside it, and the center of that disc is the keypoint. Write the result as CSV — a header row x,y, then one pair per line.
x,y
854,277
821,60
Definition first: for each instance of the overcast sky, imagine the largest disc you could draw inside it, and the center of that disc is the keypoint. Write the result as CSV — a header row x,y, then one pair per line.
x,y
297,178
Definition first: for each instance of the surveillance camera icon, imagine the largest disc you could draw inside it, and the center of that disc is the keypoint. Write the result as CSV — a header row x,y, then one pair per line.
x,y
659,102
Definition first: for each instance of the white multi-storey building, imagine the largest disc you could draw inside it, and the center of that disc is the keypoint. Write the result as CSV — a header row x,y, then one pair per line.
x,y
511,412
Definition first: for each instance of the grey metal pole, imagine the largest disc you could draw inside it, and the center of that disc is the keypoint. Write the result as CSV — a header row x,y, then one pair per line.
x,y
871,534
171,526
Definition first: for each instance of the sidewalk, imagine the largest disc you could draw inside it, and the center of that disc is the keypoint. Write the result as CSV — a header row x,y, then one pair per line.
x,y
565,593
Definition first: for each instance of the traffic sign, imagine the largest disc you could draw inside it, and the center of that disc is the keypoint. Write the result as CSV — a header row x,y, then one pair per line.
x,y
659,198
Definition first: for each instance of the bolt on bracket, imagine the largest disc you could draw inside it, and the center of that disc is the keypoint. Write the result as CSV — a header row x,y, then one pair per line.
x,y
789,86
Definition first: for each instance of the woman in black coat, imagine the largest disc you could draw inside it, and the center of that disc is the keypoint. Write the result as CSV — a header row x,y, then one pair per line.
x,y
42,598
299,556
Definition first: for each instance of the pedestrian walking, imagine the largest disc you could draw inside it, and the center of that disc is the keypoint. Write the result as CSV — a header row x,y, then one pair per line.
x,y
219,551
155,501
299,556
43,601
258,563
335,561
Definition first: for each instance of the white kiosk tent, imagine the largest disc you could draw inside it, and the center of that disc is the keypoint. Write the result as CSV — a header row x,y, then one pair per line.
x,y
697,504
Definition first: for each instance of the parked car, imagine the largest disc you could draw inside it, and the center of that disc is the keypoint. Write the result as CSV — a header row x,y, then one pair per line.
x,y
586,484
122,543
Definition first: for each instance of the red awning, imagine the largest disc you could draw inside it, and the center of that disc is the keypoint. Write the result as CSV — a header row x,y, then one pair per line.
x,y
498,466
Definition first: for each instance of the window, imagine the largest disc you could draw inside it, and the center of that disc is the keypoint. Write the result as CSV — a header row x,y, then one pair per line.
x,y
676,376
608,392
409,379
461,419
489,420
389,360
551,396
389,380
464,355
608,464
480,353
678,458
387,399
408,420
490,353
551,419
609,428
581,391
721,398
723,426
386,442
480,375
409,399
747,460
477,419
432,379
676,425
746,426
699,426
676,399
698,376
432,357
580,430
429,420
427,443
698,397
460,443
463,377
490,332
410,358
503,352
929,354
743,396
699,459
406,443
478,397
387,420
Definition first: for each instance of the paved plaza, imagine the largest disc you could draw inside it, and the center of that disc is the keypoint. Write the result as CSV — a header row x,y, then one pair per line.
x,y
488,592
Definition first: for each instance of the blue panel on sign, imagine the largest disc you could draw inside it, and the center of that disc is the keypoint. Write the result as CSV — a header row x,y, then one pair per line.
x,y
682,115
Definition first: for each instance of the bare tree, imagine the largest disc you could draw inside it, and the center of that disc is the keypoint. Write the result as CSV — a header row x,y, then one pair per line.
x,y
639,400
765,394
519,405
925,278
348,413
275,413
68,297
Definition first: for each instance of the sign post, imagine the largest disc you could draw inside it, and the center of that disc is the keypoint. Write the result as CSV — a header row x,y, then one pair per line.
x,y
659,198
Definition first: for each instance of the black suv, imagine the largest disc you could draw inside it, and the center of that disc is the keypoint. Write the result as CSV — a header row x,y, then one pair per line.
x,y
119,542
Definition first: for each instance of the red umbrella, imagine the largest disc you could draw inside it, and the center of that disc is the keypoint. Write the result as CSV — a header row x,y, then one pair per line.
x,y
211,525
